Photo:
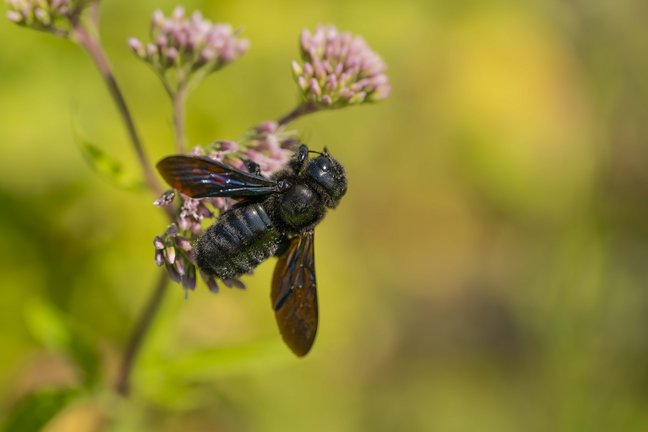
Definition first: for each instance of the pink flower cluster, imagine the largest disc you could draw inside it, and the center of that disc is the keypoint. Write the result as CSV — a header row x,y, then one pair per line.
x,y
39,14
188,43
339,69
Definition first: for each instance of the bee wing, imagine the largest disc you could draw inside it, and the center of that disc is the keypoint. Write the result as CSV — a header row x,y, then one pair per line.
x,y
200,177
294,294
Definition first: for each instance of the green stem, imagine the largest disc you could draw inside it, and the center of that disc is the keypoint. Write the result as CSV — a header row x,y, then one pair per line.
x,y
122,384
179,99
301,110
92,46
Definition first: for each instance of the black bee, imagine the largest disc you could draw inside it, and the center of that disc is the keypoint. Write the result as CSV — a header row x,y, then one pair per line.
x,y
275,217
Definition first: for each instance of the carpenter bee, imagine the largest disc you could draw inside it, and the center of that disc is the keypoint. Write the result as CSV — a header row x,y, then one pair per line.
x,y
275,216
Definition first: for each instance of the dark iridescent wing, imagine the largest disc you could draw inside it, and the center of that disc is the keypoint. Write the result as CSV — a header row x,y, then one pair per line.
x,y
200,177
294,294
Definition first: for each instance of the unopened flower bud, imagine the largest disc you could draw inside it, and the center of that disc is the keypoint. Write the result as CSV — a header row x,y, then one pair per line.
x,y
178,13
137,47
179,265
171,55
158,243
173,274
151,50
42,16
234,283
170,254
183,244
189,278
267,127
172,229
210,281
159,258
296,69
15,17
157,19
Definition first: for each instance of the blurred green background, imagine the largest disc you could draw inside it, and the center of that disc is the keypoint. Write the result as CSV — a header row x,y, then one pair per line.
x,y
488,269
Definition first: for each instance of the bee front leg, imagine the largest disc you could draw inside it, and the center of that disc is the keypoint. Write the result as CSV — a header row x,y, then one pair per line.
x,y
299,159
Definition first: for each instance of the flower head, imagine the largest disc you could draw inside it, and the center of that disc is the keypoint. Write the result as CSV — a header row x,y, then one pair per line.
x,y
46,15
187,45
339,69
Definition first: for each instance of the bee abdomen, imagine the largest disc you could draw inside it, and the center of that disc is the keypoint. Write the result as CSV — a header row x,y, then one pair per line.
x,y
240,240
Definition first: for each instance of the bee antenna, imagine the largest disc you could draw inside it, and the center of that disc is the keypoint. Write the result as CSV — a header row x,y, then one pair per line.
x,y
313,151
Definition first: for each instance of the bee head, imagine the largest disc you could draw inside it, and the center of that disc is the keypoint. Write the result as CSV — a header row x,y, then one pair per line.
x,y
328,177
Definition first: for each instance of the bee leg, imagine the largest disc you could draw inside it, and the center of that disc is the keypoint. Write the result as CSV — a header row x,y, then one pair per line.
x,y
283,246
253,167
299,159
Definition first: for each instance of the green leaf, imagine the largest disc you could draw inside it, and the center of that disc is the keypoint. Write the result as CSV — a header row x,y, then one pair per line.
x,y
54,330
222,361
34,411
232,360
170,381
106,166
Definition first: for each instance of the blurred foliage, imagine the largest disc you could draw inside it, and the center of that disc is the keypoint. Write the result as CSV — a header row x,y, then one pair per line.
x,y
54,332
35,410
486,271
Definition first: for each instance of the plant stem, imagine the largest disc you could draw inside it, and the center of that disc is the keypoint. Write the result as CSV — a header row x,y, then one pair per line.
x,y
92,46
302,109
179,98
122,385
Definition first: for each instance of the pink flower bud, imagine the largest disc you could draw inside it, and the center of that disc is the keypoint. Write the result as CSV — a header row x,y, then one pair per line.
x,y
210,281
172,230
303,84
157,19
137,46
178,13
179,265
183,243
151,51
170,254
173,274
267,127
15,17
42,16
315,88
159,258
308,70
158,243
189,278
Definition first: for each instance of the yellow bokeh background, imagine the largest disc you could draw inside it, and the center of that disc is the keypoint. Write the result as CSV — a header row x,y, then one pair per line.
x,y
486,271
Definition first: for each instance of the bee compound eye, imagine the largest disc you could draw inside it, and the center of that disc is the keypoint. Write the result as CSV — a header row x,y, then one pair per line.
x,y
323,164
